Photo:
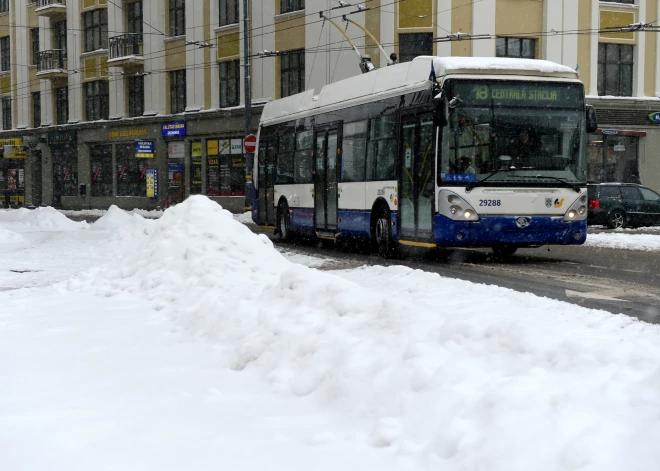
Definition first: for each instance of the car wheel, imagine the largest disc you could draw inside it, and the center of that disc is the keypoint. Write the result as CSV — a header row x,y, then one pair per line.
x,y
283,231
504,250
616,219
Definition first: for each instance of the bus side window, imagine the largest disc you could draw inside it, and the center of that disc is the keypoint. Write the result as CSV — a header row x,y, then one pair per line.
x,y
381,150
354,149
304,159
285,151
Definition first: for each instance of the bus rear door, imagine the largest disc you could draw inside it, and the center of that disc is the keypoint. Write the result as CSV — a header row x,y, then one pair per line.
x,y
416,180
326,157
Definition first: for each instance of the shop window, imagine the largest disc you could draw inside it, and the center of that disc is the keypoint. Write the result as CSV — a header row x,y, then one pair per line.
x,y
381,149
177,17
12,181
97,100
34,36
354,148
131,171
4,6
62,105
524,48
412,45
36,109
96,29
6,113
292,72
613,159
65,172
101,160
287,6
230,83
225,172
5,54
195,168
615,69
304,157
136,96
177,91
59,35
285,150
228,12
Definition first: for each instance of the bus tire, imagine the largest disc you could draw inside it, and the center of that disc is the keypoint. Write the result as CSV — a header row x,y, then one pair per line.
x,y
383,234
283,218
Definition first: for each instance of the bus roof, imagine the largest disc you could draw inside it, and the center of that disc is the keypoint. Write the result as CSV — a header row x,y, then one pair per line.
x,y
403,78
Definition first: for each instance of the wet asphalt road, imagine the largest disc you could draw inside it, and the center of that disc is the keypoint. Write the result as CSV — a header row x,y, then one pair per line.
x,y
614,280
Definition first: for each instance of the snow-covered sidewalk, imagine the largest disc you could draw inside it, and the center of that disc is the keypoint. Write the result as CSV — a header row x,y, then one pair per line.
x,y
188,342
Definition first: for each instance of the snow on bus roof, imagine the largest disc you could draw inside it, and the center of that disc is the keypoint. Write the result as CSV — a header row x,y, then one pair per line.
x,y
401,78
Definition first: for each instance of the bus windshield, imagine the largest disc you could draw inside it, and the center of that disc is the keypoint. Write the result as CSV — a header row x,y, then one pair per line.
x,y
535,131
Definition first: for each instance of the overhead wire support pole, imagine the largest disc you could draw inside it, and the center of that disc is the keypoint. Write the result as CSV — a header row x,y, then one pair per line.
x,y
373,38
248,101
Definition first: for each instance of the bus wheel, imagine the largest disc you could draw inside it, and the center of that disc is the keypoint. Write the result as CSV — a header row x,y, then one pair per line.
x,y
383,229
283,231
504,250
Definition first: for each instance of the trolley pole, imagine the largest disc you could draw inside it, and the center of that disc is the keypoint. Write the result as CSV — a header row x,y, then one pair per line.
x,y
249,157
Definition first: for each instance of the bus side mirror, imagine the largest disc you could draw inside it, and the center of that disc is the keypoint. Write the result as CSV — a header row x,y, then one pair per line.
x,y
592,120
440,110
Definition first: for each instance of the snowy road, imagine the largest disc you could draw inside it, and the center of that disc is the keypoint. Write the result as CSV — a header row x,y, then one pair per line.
x,y
189,342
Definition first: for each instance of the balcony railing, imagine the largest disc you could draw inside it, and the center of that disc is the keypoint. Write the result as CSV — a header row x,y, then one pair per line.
x,y
52,61
50,7
125,46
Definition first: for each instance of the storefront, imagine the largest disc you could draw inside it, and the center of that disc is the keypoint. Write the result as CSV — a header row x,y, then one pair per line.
x,y
614,156
12,172
63,147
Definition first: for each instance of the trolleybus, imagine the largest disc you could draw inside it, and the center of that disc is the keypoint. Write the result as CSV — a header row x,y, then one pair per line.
x,y
436,152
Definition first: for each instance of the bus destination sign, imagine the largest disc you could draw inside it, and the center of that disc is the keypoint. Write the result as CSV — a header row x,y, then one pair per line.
x,y
518,94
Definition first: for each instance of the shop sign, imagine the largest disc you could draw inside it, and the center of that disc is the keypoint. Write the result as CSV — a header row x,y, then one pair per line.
x,y
177,128
196,150
225,146
128,133
152,182
12,178
15,152
60,138
14,141
212,147
174,167
237,146
619,148
655,117
609,132
176,150
144,149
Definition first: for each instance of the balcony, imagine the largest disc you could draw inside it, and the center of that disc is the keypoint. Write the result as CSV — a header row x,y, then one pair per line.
x,y
125,50
50,8
52,64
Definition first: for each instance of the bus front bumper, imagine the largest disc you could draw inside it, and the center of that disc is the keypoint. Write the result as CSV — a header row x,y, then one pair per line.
x,y
509,230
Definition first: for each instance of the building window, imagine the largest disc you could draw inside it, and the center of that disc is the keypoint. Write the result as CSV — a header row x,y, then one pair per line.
x,y
615,69
96,30
228,12
516,47
412,45
36,109
97,104
134,17
6,113
101,161
131,172
59,35
177,91
292,67
34,33
62,105
230,83
287,6
5,54
4,6
136,96
177,18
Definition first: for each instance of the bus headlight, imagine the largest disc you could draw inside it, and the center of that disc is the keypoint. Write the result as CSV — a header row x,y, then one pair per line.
x,y
582,209
467,214
578,210
455,207
571,214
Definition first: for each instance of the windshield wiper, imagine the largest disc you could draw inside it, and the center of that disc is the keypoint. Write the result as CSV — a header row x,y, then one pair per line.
x,y
470,186
573,186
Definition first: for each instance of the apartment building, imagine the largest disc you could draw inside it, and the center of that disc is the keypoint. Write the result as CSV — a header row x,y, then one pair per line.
x,y
141,103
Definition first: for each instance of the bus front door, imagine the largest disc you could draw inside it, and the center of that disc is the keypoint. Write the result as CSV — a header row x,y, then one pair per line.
x,y
417,181
266,182
325,181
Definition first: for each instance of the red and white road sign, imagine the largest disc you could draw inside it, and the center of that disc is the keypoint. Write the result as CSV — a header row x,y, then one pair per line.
x,y
250,144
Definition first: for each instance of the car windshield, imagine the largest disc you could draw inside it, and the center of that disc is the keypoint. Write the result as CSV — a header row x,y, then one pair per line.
x,y
535,128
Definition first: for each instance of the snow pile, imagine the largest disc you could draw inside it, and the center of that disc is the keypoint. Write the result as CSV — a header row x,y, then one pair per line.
x,y
450,374
7,236
245,218
45,218
625,240
115,219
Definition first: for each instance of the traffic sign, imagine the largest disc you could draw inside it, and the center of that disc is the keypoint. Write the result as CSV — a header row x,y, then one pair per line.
x,y
250,144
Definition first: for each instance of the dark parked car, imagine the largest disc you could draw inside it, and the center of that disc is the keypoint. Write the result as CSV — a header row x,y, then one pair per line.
x,y
623,204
